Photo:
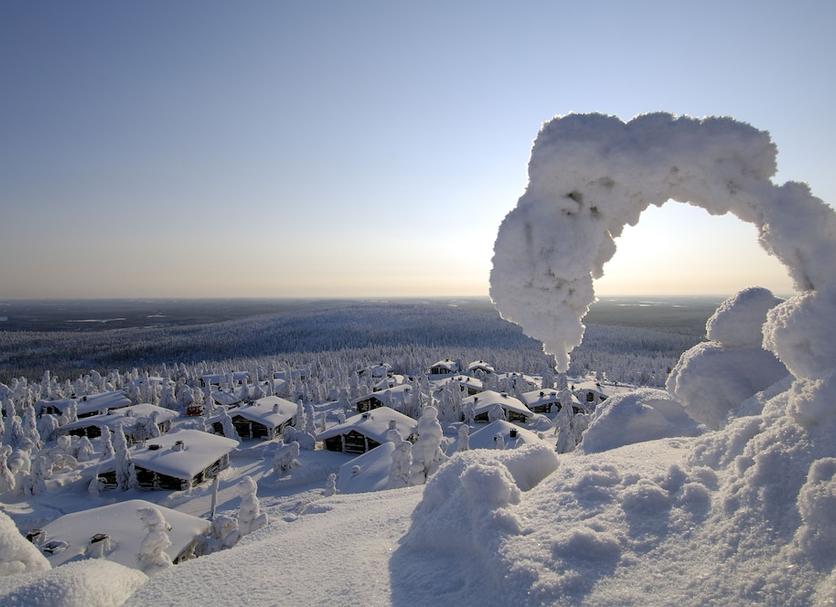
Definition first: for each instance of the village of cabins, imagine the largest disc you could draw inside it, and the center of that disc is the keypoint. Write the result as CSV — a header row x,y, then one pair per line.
x,y
121,436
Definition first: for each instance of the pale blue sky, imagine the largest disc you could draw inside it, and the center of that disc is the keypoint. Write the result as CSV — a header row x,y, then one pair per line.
x,y
367,148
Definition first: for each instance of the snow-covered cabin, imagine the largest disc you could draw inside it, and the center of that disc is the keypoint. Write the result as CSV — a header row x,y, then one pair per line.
x,y
365,431
300,374
218,379
589,392
366,472
518,382
445,367
264,418
469,384
483,402
225,399
541,401
383,398
177,460
74,536
390,381
480,366
127,417
89,404
511,436
376,371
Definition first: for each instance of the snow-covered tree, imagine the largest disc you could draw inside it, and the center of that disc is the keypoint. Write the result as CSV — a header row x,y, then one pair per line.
x,y
498,441
224,534
286,458
250,515
152,551
227,425
47,427
463,438
393,435
400,470
107,442
496,413
330,485
426,453
7,479
84,450
125,473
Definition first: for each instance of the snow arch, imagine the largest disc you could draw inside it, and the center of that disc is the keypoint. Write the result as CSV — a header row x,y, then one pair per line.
x,y
590,175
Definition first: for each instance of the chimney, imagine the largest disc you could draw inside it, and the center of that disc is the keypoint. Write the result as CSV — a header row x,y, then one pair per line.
x,y
179,446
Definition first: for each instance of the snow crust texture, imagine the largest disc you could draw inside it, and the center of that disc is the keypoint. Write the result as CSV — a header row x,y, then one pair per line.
x,y
590,175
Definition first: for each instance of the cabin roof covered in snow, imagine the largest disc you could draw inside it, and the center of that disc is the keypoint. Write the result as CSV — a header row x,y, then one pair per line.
x,y
404,389
226,399
94,402
534,398
126,530
484,401
374,465
201,451
446,364
270,411
484,437
126,416
373,424
480,364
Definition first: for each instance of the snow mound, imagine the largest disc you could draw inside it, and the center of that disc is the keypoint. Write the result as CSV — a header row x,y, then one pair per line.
x,y
738,321
590,175
17,554
367,472
711,379
634,417
86,583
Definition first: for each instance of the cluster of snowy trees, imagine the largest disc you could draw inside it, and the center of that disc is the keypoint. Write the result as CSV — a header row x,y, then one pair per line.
x,y
410,336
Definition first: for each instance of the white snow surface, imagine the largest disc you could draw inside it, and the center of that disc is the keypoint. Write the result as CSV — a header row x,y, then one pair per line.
x,y
634,417
17,554
87,583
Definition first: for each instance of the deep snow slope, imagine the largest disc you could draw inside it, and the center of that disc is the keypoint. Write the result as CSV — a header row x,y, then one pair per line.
x,y
335,551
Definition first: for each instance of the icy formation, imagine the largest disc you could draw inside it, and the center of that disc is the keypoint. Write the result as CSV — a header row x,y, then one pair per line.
x,y
634,417
590,175
733,359
17,554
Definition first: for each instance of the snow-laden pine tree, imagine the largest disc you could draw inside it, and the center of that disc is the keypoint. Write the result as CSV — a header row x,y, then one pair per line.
x,y
426,453
496,413
400,470
330,485
84,451
107,442
152,551
7,479
250,516
463,438
227,425
125,473
286,458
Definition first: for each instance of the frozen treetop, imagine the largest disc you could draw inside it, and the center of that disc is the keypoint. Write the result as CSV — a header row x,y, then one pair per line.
x,y
590,175
201,450
125,417
738,321
373,424
484,401
484,437
125,529
270,411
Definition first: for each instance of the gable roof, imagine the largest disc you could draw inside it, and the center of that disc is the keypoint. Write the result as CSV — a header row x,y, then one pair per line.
x,y
270,411
126,417
373,424
480,364
97,402
452,365
122,523
484,401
